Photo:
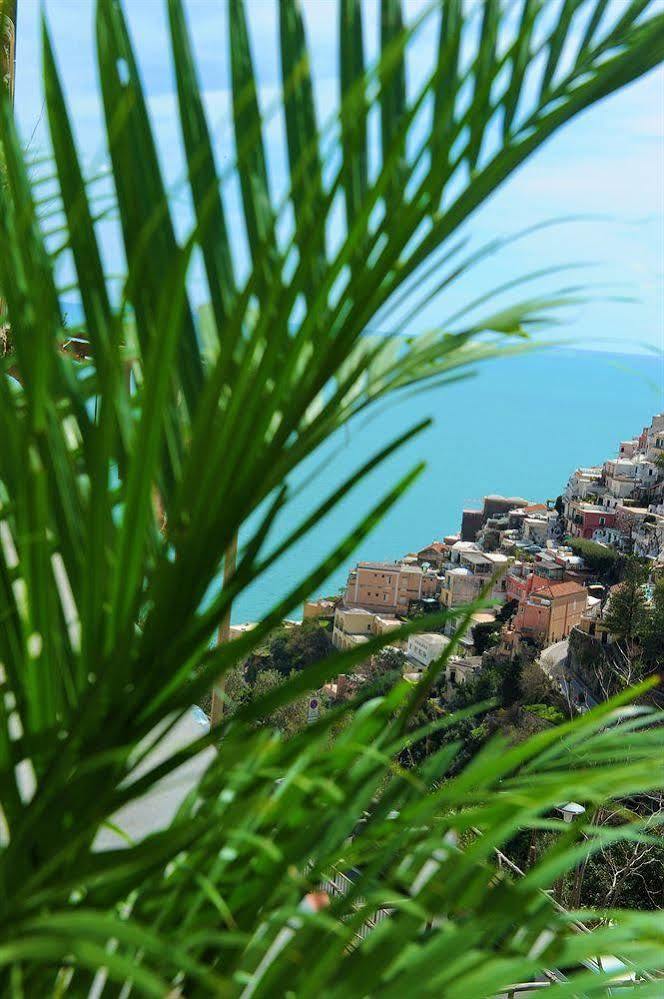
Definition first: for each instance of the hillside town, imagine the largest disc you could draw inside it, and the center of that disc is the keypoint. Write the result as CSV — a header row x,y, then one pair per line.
x,y
550,573
249,250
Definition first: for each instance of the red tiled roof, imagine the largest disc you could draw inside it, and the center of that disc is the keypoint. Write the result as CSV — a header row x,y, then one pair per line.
x,y
564,589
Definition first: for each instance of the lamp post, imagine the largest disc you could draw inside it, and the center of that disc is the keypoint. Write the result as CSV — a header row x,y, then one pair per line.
x,y
572,810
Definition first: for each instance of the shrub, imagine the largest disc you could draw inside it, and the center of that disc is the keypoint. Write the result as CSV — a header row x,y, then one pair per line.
x,y
606,562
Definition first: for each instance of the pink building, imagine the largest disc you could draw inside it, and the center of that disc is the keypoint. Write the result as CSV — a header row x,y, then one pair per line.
x,y
588,518
548,613
517,587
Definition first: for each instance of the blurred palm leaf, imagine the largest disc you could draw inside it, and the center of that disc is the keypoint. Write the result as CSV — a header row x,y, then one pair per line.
x,y
107,618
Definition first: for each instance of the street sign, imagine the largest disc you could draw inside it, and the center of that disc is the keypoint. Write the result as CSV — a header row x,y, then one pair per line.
x,y
314,710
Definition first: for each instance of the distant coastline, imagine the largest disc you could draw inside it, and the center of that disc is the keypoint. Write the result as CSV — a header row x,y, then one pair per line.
x,y
519,426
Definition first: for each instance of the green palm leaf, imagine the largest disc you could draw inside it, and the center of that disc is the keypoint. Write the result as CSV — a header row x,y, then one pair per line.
x,y
107,612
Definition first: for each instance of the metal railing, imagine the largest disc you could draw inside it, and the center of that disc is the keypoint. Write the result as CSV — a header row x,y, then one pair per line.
x,y
340,885
628,980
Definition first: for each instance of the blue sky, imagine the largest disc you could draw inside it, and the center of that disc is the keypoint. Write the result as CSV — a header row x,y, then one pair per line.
x,y
609,162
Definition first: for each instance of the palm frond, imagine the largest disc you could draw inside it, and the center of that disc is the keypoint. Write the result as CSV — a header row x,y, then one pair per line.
x,y
107,612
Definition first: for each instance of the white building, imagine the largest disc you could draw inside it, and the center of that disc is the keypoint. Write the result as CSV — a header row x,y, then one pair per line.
x,y
648,536
620,476
584,481
426,647
607,536
654,435
538,528
460,548
647,472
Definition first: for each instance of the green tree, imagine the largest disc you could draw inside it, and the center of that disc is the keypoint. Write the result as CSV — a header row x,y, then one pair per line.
x,y
485,635
236,689
534,684
516,724
389,661
626,612
651,630
628,875
290,717
509,688
111,600
546,712
604,561
295,648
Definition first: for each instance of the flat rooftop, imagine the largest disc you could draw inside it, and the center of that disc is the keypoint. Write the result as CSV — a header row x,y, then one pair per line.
x,y
388,567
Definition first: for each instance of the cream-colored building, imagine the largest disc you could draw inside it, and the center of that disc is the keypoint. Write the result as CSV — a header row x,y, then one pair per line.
x,y
654,437
436,554
389,587
460,587
356,625
383,624
318,608
460,670
463,581
537,529
352,626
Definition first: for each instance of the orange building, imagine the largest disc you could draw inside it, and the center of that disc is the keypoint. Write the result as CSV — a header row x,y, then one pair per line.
x,y
389,586
548,613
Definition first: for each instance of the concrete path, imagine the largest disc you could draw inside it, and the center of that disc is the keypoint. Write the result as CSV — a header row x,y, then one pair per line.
x,y
552,660
158,807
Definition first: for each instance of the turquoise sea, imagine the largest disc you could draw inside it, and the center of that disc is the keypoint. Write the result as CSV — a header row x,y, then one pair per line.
x,y
519,427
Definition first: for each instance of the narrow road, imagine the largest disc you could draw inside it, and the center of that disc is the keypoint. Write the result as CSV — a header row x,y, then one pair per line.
x,y
156,809
553,661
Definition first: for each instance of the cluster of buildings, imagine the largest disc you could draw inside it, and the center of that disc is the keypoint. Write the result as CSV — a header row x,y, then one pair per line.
x,y
525,566
515,552
621,502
